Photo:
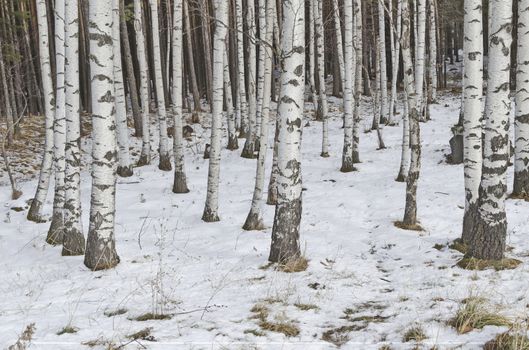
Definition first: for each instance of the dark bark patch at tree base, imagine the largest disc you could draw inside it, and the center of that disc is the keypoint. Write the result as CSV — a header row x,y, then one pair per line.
x,y
144,160
469,263
233,143
125,171
34,212
459,245
56,231
151,316
347,167
165,163
16,194
180,183
73,243
324,154
401,177
412,227
253,222
209,215
249,150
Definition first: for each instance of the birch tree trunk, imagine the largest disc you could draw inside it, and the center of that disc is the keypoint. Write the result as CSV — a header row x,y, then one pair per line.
x,y
56,231
410,211
405,150
339,39
254,219
219,45
320,52
35,210
285,233
490,230
358,42
101,247
472,105
420,54
395,35
122,131
432,98
260,70
348,95
73,242
192,75
145,157
241,97
521,125
382,63
233,142
249,149
312,58
165,159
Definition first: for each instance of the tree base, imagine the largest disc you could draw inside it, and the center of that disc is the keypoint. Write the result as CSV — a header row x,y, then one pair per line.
x,y
248,150
56,231
469,222
488,241
233,143
73,243
209,215
180,183
144,160
34,212
356,157
401,177
195,117
324,154
125,171
408,227
285,233
165,163
253,222
347,166
243,133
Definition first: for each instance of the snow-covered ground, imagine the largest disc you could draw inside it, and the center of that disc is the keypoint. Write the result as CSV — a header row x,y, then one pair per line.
x,y
367,281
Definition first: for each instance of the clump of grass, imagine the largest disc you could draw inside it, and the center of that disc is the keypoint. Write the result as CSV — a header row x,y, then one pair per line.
x,y
144,334
298,264
403,226
260,312
255,332
470,263
521,196
68,329
476,313
415,333
286,327
306,307
117,312
459,246
439,246
152,316
508,341
339,336
24,339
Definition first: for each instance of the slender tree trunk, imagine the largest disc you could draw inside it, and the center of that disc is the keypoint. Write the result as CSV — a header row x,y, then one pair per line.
x,y
339,40
145,157
433,52
219,45
420,54
395,35
312,58
274,173
382,63
233,142
56,231
254,219
472,105
521,125
197,108
285,232
180,179
358,42
122,131
348,95
405,152
242,103
35,210
322,103
101,246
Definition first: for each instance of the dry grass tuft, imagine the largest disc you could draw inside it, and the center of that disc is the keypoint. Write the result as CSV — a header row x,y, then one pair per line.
x,y
117,312
511,340
415,333
476,313
403,226
286,327
144,334
339,336
298,264
459,246
469,263
68,330
151,316
306,307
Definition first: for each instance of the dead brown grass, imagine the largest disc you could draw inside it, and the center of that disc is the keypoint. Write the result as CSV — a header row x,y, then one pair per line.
x,y
403,226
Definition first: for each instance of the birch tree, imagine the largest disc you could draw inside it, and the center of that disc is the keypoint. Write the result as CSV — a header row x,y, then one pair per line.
x,y
254,219
358,42
73,242
56,231
312,58
35,210
180,179
122,131
472,105
405,145
382,62
489,233
145,157
242,104
432,54
339,39
395,35
521,163
349,62
233,142
101,247
163,150
219,45
285,233
410,211
320,54
420,53
249,146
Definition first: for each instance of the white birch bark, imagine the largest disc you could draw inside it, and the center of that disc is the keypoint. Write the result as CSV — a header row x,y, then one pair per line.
x,y
410,211
73,241
260,69
163,150
56,231
101,247
233,142
320,53
405,146
420,54
180,179
35,210
145,157
312,57
382,62
490,231
219,44
348,95
521,162
285,233
254,219
339,39
242,103
358,42
249,150
472,106
395,35
433,52
122,131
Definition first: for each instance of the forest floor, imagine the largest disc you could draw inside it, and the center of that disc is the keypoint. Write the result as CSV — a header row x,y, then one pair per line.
x,y
367,282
